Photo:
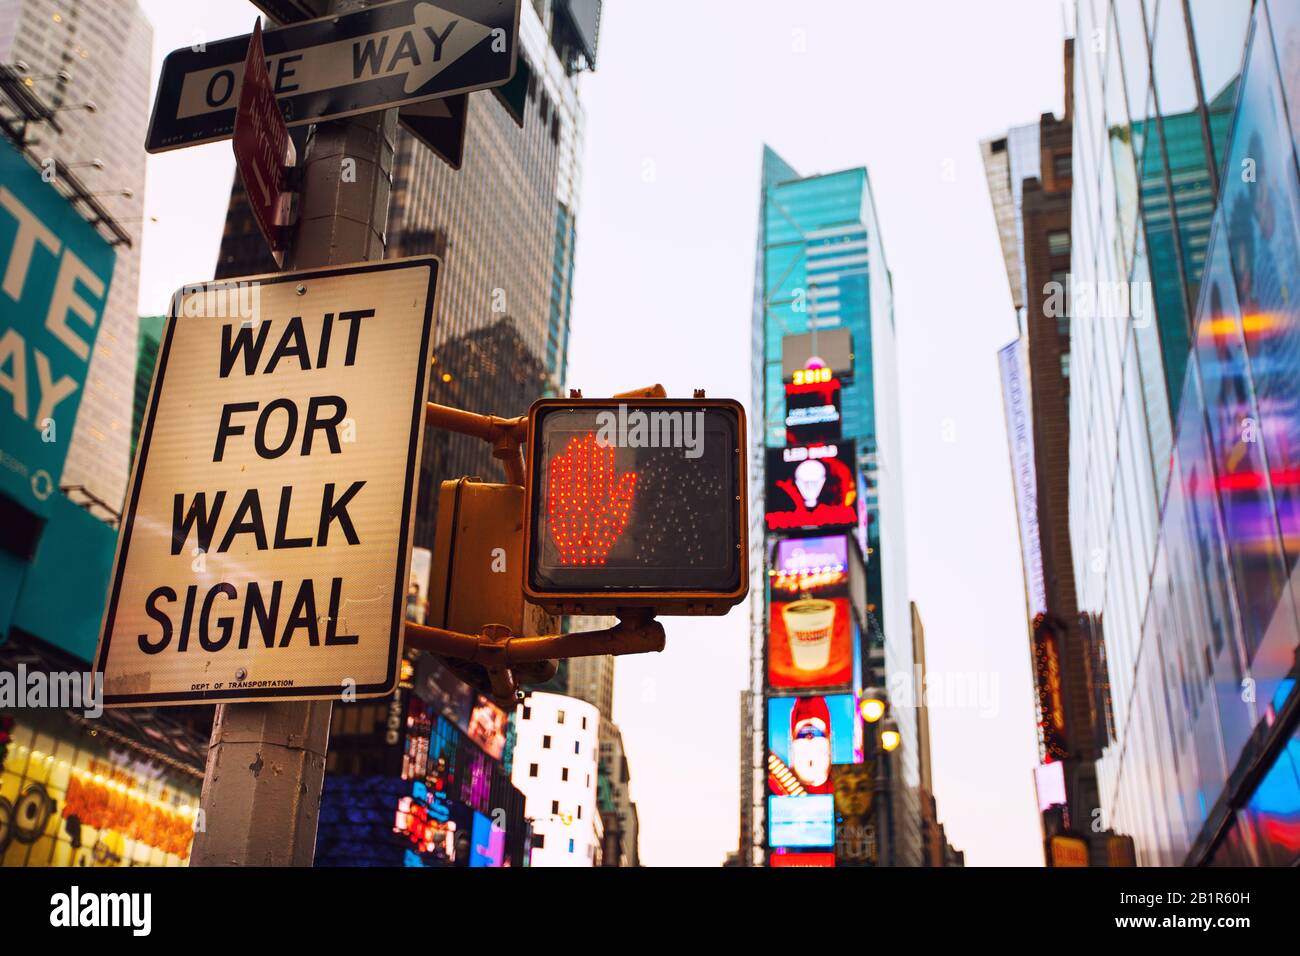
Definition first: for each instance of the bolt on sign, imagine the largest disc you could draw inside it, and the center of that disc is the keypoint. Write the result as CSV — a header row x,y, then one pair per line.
x,y
267,532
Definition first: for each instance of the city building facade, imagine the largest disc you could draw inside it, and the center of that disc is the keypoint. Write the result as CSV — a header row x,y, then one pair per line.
x,y
1029,173
555,764
1183,418
79,52
79,786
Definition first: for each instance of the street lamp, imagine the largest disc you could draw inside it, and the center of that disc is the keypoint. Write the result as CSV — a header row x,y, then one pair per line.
x,y
889,736
871,704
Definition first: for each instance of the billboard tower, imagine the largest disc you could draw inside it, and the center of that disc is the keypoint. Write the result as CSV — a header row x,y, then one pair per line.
x,y
832,615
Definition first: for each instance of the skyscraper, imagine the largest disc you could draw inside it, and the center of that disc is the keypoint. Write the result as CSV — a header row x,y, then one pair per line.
x,y
1029,173
827,549
1184,446
79,52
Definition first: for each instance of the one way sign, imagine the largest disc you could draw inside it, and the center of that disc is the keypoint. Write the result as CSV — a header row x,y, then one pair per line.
x,y
379,57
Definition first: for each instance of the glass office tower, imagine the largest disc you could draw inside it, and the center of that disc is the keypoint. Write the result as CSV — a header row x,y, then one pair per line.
x,y
1185,417
821,273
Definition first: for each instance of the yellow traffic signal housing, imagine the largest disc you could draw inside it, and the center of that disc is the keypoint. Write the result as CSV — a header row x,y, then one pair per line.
x,y
478,561
636,503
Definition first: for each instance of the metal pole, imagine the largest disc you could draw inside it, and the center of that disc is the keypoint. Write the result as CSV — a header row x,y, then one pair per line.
x,y
266,762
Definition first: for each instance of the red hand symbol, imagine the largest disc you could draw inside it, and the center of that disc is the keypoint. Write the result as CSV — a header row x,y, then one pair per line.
x,y
589,502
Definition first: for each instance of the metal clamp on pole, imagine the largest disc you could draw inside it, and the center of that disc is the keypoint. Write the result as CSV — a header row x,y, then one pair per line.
x,y
505,434
506,660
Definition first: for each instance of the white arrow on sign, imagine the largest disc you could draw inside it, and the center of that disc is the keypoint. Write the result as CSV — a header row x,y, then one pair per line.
x,y
419,52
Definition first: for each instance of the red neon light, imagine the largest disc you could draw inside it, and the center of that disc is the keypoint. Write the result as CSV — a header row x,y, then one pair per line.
x,y
588,501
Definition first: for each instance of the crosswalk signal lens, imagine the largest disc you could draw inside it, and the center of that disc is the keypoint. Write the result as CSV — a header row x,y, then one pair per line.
x,y
636,504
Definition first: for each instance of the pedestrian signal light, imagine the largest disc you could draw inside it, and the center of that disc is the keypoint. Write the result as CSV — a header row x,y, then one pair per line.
x,y
636,503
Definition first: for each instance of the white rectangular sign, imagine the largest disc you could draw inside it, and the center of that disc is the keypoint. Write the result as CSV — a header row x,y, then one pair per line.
x,y
267,533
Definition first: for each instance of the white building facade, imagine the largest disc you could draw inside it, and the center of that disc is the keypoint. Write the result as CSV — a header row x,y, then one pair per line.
x,y
555,767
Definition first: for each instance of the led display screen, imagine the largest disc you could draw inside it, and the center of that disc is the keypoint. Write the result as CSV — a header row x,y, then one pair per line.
x,y
801,821
782,858
810,635
805,736
812,487
487,843
812,413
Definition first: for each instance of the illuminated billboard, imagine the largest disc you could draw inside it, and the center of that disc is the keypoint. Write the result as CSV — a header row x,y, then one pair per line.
x,y
855,814
810,635
487,843
450,697
812,413
801,821
805,736
487,727
812,487
785,858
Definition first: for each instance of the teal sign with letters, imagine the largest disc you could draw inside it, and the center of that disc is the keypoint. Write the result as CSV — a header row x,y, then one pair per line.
x,y
55,272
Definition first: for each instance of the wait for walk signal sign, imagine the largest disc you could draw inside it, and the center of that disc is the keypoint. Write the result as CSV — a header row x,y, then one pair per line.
x,y
637,503
265,544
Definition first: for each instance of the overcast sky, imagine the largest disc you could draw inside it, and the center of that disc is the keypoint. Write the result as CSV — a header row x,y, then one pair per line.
x,y
685,95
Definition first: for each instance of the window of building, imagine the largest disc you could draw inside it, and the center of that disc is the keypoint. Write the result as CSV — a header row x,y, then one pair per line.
x,y
570,844
528,712
1058,242
575,747
555,807
559,717
532,770
1061,165
584,723
579,811
539,841
564,774
546,742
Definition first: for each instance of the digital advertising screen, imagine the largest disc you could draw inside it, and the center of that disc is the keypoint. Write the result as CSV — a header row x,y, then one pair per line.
x,y
810,635
487,843
487,727
812,413
805,737
451,698
801,821
812,487
786,858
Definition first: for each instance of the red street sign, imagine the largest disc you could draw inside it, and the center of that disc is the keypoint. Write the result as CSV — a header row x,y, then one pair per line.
x,y
263,150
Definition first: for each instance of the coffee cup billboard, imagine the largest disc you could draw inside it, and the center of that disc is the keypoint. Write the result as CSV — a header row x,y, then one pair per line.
x,y
810,640
812,487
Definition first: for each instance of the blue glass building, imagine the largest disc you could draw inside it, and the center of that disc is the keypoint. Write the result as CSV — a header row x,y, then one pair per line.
x,y
1185,432
820,266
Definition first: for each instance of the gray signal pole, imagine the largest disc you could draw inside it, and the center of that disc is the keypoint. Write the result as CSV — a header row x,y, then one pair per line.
x,y
266,762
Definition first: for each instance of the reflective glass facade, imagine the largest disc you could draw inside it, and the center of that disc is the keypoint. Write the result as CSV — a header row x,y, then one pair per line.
x,y
821,265
1185,417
